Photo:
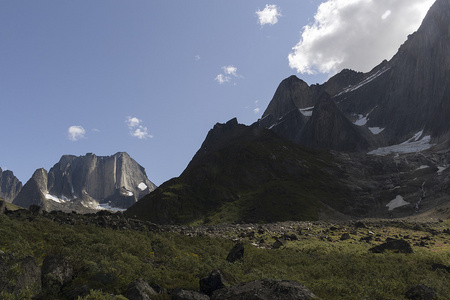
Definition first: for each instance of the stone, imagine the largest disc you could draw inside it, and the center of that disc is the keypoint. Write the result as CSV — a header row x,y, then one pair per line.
x,y
278,243
26,276
35,209
345,236
212,282
400,246
421,292
265,290
56,272
140,290
236,253
435,267
180,294
2,206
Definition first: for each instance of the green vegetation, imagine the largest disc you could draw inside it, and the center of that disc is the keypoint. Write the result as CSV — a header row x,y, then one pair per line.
x,y
329,267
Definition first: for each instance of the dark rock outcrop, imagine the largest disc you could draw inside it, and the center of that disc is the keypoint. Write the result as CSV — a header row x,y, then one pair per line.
x,y
56,272
180,294
140,290
10,186
421,292
236,253
212,282
400,246
264,290
18,275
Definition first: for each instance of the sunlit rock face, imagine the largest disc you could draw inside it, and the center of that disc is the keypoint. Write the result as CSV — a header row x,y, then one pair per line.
x,y
94,182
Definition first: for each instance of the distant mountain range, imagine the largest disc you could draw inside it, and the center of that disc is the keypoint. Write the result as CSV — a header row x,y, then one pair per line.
x,y
370,144
84,184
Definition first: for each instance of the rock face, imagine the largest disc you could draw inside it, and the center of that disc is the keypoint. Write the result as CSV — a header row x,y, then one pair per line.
x,y
398,99
87,181
10,186
264,290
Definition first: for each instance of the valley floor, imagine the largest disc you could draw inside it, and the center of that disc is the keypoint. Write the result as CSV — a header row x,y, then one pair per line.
x,y
333,260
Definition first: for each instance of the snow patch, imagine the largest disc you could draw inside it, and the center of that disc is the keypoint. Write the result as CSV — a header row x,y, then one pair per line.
x,y
56,199
107,206
361,121
410,146
127,193
397,202
307,111
422,167
441,169
376,130
363,82
142,186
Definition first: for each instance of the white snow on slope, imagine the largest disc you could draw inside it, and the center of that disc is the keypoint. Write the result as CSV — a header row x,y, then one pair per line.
x,y
54,198
307,111
142,186
397,202
362,120
422,167
107,206
410,146
376,130
441,169
364,82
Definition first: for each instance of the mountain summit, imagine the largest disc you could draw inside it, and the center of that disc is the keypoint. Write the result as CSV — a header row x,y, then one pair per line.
x,y
88,181
406,97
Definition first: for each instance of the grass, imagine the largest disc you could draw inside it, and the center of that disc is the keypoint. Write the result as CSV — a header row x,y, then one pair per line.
x,y
331,268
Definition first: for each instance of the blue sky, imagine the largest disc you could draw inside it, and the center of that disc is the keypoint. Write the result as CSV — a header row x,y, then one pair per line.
x,y
152,77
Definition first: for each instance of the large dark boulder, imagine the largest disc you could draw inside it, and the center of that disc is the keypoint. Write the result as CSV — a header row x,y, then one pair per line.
x,y
265,290
16,276
56,272
2,206
236,253
421,292
139,290
180,294
212,282
400,246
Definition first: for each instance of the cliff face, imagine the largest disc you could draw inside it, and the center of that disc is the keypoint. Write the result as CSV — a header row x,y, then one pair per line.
x,y
10,186
393,102
112,181
34,191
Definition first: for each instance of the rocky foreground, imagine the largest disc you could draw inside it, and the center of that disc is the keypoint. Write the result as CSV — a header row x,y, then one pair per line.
x,y
54,276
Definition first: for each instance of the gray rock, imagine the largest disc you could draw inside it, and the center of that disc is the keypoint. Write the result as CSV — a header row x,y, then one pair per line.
x,y
180,294
18,275
212,282
35,209
265,290
421,292
56,272
345,236
139,290
278,243
236,253
401,246
10,186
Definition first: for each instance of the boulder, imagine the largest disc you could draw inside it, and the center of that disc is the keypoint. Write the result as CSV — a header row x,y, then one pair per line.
x,y
19,275
400,246
212,282
345,236
56,272
35,209
2,206
278,243
421,292
265,290
139,290
236,253
180,294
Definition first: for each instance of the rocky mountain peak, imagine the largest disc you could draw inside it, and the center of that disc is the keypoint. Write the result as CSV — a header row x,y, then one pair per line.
x,y
90,180
10,186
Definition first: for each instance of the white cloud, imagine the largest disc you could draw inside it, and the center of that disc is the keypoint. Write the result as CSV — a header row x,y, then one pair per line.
x,y
74,133
197,57
269,15
137,129
355,34
227,70
256,110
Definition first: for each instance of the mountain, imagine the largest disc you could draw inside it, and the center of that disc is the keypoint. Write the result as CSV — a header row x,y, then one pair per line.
x,y
84,182
10,186
404,98
245,174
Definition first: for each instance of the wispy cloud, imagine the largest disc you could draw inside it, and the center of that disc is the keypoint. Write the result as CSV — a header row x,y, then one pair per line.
x,y
197,57
356,34
256,110
269,15
228,72
75,133
137,129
